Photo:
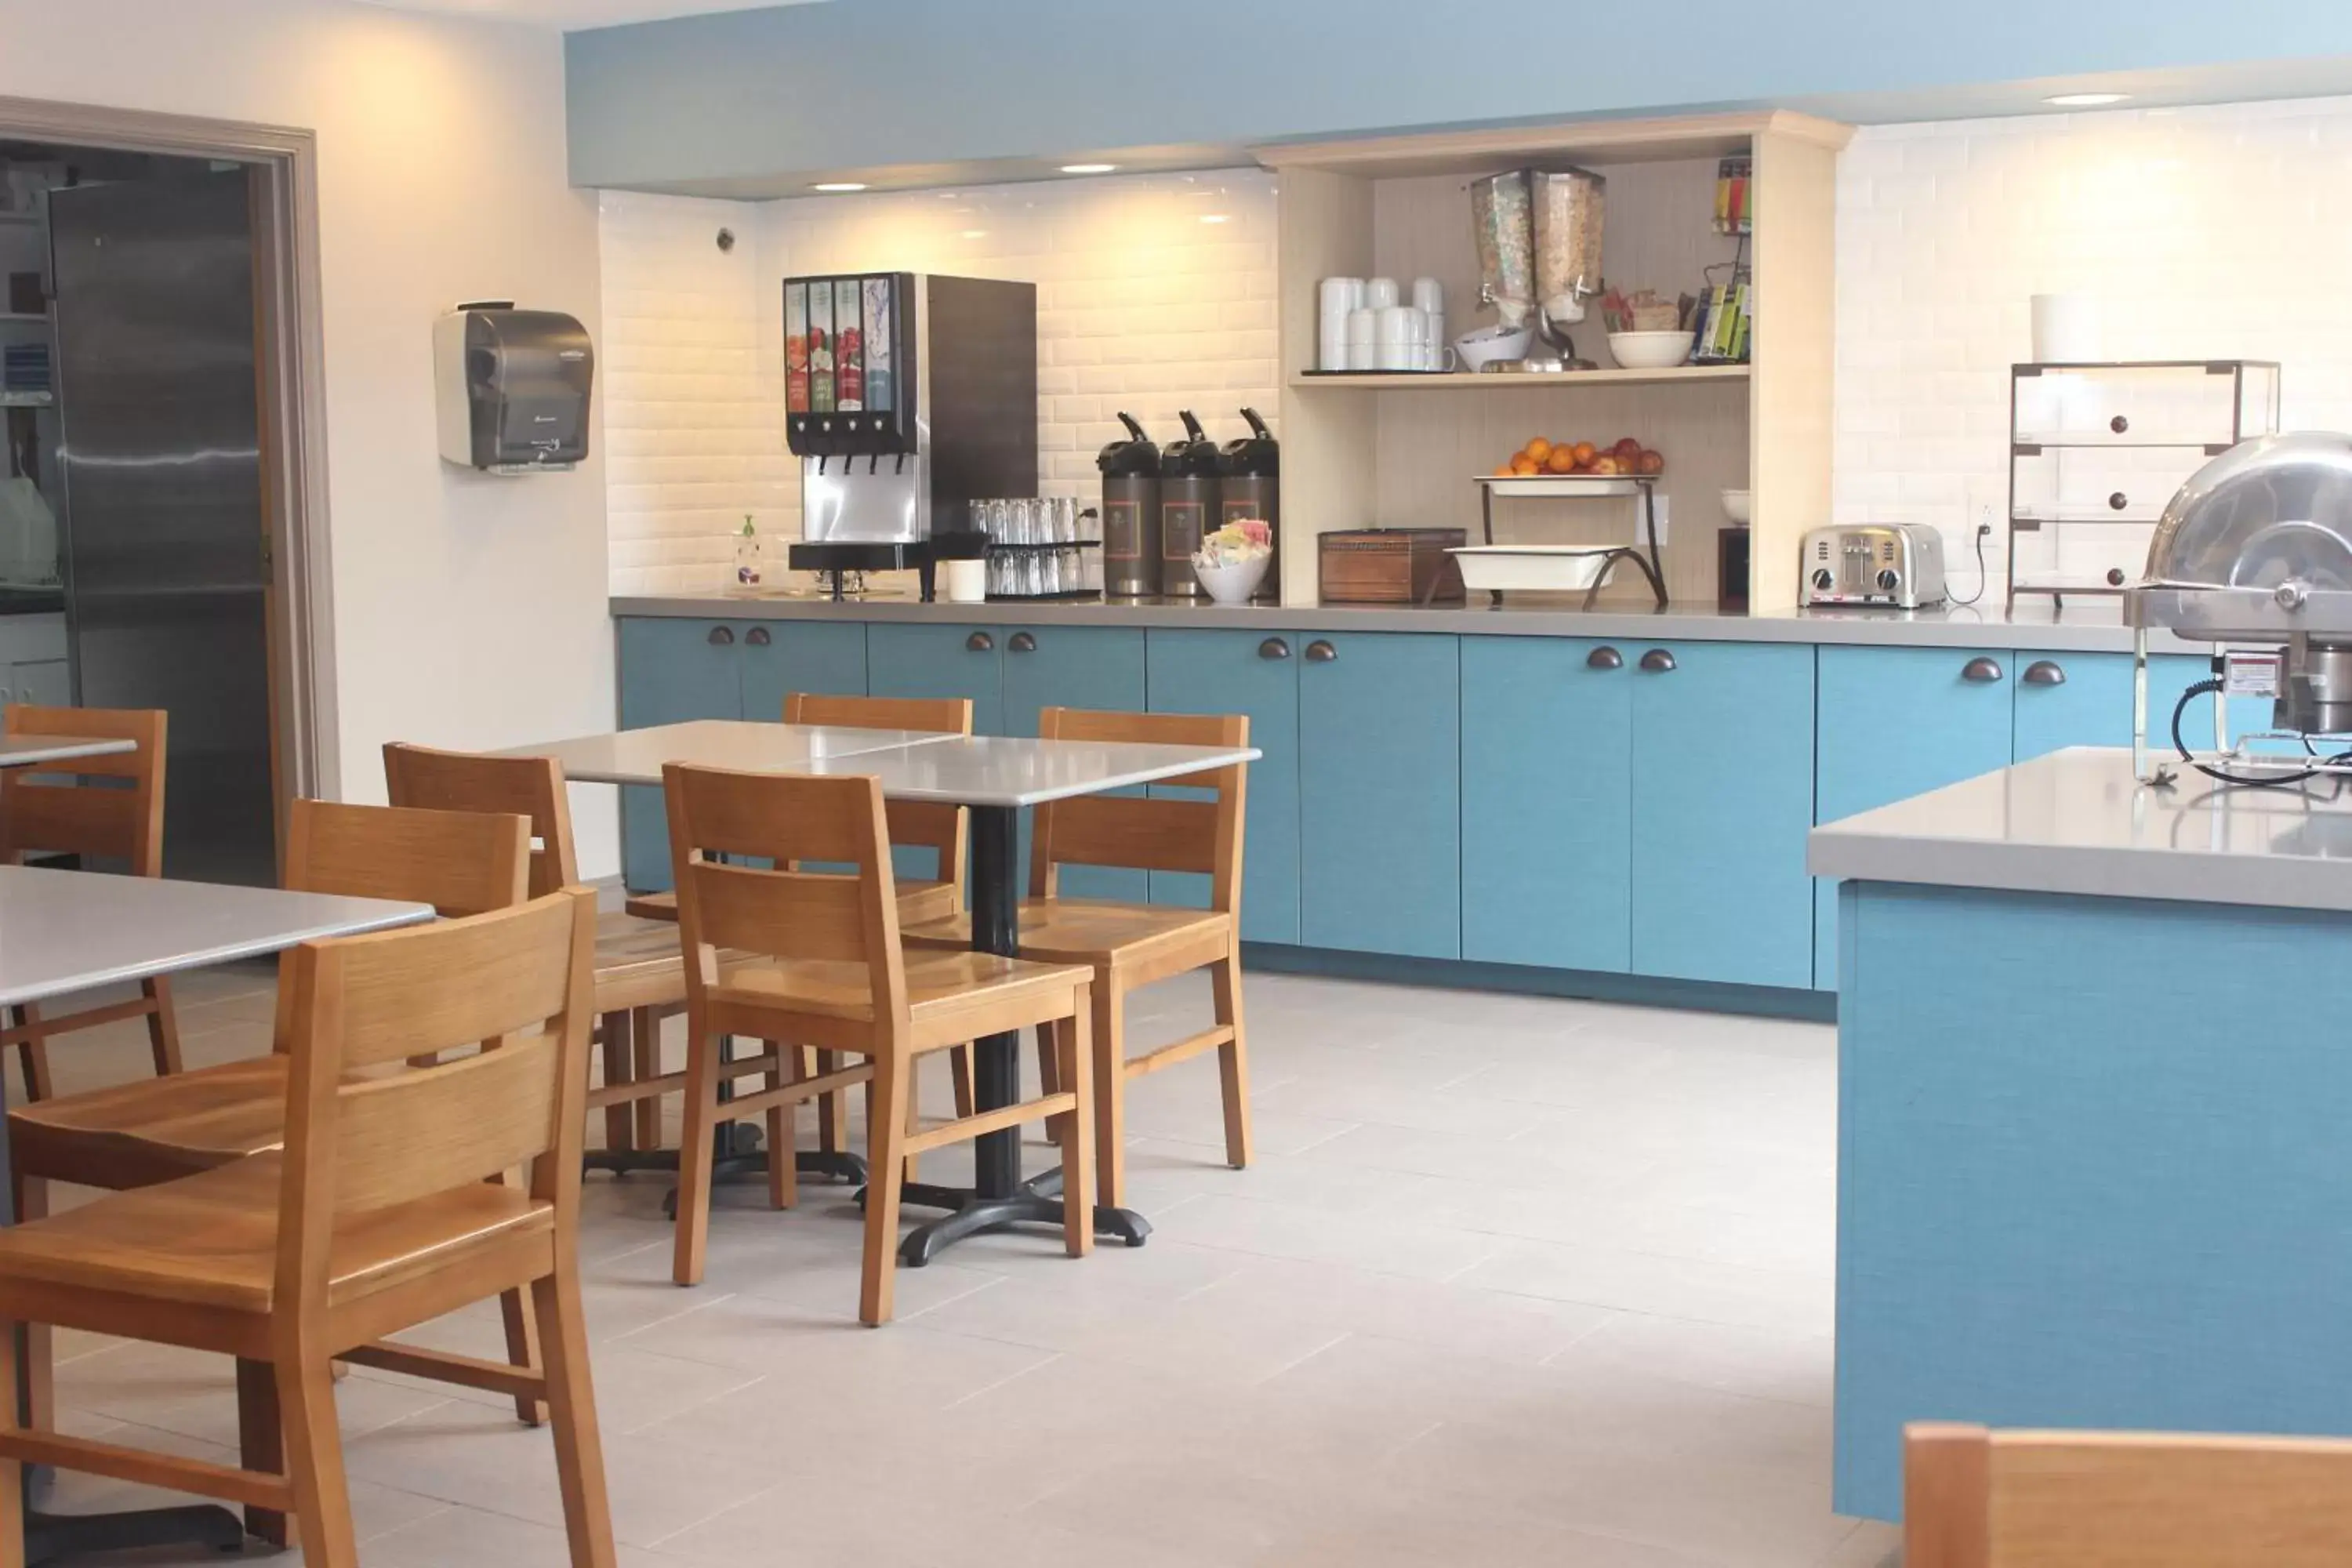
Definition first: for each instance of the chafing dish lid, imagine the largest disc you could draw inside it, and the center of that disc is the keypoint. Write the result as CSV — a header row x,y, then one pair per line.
x,y
2272,510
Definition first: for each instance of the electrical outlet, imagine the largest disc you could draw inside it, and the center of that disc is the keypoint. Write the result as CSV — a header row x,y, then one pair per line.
x,y
1988,501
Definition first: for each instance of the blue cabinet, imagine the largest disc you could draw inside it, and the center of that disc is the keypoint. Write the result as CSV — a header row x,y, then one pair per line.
x,y
2085,699
671,673
925,660
1380,775
1074,666
1546,802
1722,797
783,657
1253,673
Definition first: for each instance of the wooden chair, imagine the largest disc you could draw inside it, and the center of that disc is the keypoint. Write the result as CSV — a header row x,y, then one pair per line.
x,y
640,976
1131,945
382,1212
829,972
107,808
914,824
137,1134
1975,1498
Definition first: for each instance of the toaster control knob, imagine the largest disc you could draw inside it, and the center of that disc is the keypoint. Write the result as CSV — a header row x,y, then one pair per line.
x,y
1823,580
1887,581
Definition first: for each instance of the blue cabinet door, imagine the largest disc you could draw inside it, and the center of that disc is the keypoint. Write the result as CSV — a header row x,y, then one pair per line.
x,y
672,671
2085,699
783,657
1546,802
1075,667
1722,797
921,660
1253,673
1900,721
1379,788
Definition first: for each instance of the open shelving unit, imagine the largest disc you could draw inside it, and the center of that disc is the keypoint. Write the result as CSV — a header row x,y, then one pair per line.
x,y
1368,449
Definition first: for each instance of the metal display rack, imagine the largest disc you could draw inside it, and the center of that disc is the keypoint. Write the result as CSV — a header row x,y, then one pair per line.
x,y
2121,433
1586,487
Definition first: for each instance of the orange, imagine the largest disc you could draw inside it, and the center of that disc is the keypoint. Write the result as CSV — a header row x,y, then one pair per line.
x,y
1563,460
1585,452
1523,465
1539,450
1505,470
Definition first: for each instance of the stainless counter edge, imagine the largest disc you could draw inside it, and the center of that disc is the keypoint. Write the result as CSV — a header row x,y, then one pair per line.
x,y
2093,629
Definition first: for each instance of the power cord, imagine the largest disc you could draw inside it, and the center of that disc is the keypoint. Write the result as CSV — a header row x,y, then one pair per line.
x,y
1984,529
2274,781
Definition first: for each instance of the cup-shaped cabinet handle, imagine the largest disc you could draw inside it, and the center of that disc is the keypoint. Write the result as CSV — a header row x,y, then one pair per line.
x,y
1604,658
757,636
1983,671
980,642
2044,672
1273,648
722,637
1320,652
1021,642
1657,661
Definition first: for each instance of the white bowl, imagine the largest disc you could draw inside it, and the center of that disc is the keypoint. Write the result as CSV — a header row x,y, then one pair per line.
x,y
1543,568
1233,583
1737,507
1488,344
1649,351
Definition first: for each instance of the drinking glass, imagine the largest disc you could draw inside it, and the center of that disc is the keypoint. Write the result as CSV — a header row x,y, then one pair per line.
x,y
996,521
1024,514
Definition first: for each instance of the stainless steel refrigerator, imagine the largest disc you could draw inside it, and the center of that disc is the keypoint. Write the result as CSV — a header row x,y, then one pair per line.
x,y
166,565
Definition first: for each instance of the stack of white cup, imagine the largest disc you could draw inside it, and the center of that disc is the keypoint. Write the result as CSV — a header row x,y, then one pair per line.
x,y
1365,324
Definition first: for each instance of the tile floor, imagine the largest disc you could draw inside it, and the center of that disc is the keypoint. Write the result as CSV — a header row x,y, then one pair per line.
x,y
1512,1281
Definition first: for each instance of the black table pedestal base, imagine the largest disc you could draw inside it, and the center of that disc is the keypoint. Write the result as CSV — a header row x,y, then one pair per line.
x,y
52,1535
1037,1203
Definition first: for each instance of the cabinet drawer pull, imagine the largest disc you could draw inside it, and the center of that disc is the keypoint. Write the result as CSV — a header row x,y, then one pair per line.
x,y
2117,502
1320,652
1983,671
2043,672
1657,661
980,642
757,636
1273,648
1021,642
721,636
1604,658
2120,424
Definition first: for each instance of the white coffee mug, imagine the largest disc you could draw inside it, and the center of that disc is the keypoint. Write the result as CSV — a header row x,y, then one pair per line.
x,y
1363,336
1331,343
1429,294
963,582
1433,341
1381,293
1342,295
1398,344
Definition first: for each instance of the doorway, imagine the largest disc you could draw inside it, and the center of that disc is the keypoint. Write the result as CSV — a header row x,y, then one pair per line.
x,y
161,530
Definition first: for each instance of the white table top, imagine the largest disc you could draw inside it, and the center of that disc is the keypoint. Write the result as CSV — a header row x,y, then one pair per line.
x,y
2078,822
67,930
636,756
954,770
24,751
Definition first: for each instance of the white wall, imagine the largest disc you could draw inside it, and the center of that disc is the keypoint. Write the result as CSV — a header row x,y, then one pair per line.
x,y
2208,233
1142,306
469,611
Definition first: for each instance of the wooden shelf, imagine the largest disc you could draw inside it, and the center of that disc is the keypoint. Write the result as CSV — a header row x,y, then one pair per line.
x,y
1471,379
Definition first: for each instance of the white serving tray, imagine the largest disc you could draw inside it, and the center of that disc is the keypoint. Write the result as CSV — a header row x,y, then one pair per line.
x,y
1568,484
1534,568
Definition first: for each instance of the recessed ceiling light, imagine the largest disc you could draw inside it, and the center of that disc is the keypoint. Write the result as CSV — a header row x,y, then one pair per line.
x,y
1213,217
1089,168
2086,100
840,186
975,234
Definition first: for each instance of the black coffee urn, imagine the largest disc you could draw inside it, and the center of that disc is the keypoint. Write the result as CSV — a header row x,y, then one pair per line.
x,y
1248,473
1130,514
1189,488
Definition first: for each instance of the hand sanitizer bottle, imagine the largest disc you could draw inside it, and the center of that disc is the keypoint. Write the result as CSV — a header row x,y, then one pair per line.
x,y
747,556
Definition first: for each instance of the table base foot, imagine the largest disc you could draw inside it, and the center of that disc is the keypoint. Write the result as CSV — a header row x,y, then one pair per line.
x,y
972,1214
48,1536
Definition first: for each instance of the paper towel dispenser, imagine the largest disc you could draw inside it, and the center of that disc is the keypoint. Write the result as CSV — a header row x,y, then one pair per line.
x,y
512,387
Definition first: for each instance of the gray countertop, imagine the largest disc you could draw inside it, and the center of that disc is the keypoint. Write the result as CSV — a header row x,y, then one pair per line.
x,y
2078,822
2087,626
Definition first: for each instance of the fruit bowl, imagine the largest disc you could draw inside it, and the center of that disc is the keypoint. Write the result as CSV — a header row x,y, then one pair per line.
x,y
1235,582
1649,351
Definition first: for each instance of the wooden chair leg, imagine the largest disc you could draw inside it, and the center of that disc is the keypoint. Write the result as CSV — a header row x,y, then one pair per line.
x,y
1233,1059
12,1475
695,1146
961,1057
783,1174
261,1440
620,1068
831,1123
1073,1038
41,1372
914,1116
1049,1074
35,1055
1109,1088
886,1165
579,1450
645,1042
162,1026
522,1335
323,1501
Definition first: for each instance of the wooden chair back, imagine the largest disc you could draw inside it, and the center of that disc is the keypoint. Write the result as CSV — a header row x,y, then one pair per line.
x,y
1976,1499
1148,833
530,787
460,862
847,916
369,1128
914,823
110,808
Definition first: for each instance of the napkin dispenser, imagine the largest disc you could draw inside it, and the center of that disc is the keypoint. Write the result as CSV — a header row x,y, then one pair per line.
x,y
511,387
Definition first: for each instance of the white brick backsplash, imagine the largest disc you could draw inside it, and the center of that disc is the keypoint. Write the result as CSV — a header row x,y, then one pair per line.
x,y
1141,307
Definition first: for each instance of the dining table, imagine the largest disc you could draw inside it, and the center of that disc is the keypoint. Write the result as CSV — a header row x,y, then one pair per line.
x,y
63,932
32,751
996,778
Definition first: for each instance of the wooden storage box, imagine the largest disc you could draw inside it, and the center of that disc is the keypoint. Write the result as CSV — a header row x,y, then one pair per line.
x,y
1389,566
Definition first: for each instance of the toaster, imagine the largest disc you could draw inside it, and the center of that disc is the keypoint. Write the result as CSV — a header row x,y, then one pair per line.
x,y
1891,566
